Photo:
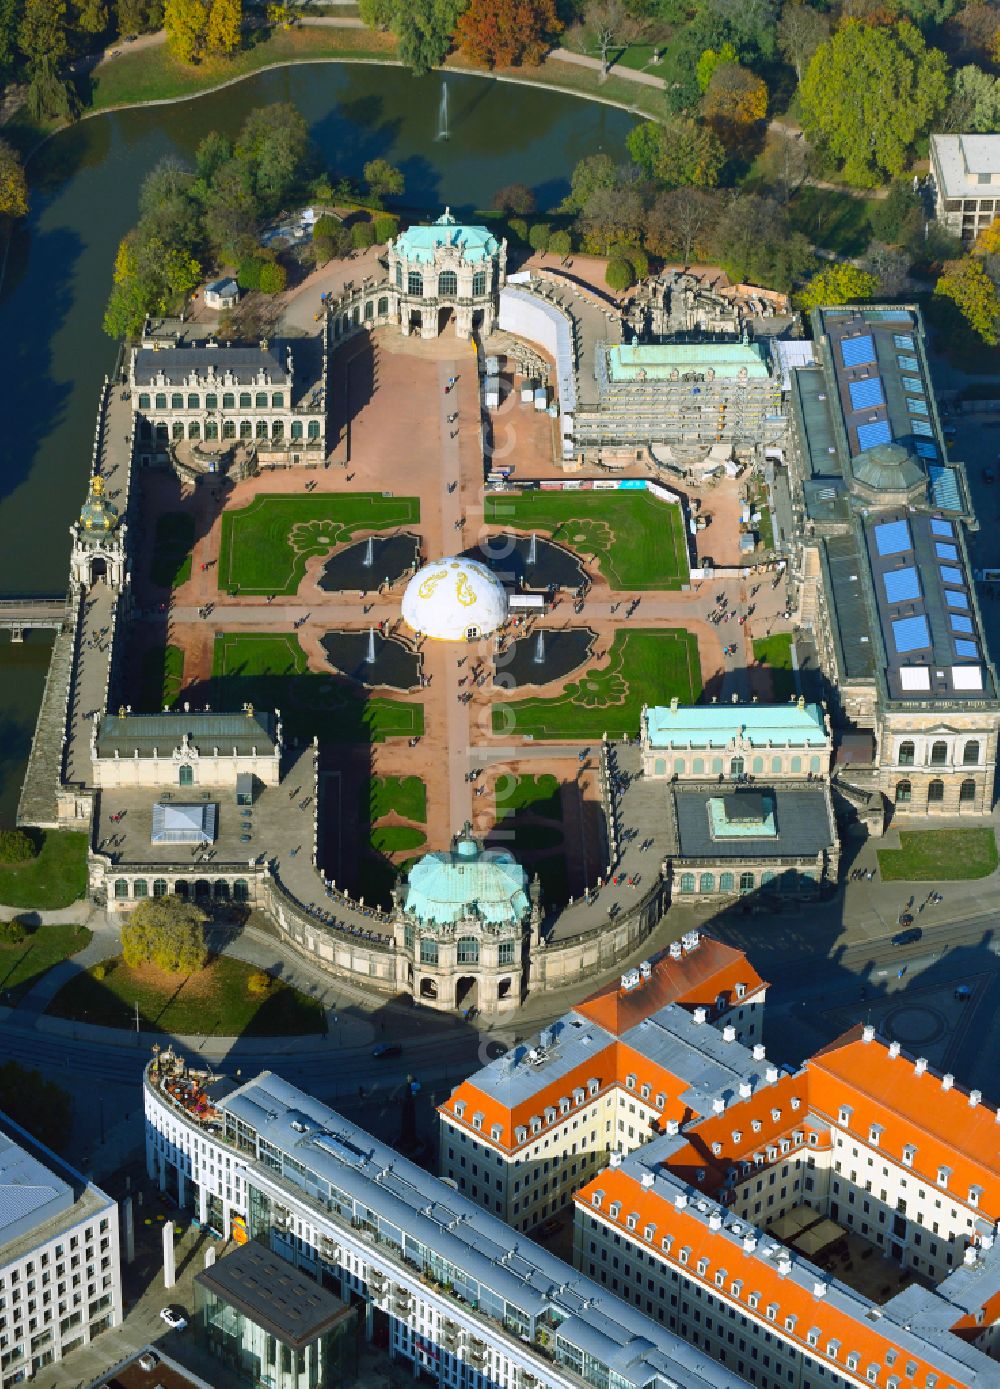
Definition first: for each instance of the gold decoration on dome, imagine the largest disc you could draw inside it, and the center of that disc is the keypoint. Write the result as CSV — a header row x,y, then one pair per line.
x,y
426,589
97,485
464,591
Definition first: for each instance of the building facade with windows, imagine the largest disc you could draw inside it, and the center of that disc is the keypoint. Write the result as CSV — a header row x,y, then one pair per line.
x,y
443,1283
524,1132
965,173
716,1228
212,396
60,1270
888,591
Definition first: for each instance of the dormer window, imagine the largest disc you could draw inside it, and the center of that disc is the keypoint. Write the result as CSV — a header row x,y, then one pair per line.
x,y
630,1082
752,1300
741,990
645,1092
702,1266
520,1133
943,1173
564,1105
477,1120
844,1114
536,1124
737,1287
755,1124
875,1135
775,1115
872,1373
459,1109
578,1096
909,1153
720,1278
496,1132
833,1349
812,1335
596,1199
716,1149
796,1103
661,1101
648,1232
632,1220
737,1135
852,1360
614,1209
593,1086
974,1194
666,1243
772,1311
685,1254
790,1323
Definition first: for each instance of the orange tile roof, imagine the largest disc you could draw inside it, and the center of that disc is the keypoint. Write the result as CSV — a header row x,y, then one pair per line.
x,y
941,1124
698,977
691,1231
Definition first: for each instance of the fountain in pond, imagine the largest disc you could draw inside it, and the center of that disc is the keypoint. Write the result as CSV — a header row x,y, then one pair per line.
x,y
442,130
540,649
370,654
533,549
369,558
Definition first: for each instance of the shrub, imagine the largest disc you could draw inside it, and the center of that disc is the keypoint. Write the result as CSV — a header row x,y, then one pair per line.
x,y
258,982
99,972
538,236
248,275
12,932
560,243
16,846
362,235
518,229
167,932
619,274
273,278
636,257
385,227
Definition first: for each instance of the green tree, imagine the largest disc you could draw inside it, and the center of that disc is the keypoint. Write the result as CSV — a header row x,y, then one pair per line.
x,y
975,101
840,283
10,19
15,845
869,94
897,215
677,152
384,180
514,198
40,1106
167,932
331,239
710,60
385,227
225,25
518,229
214,152
41,35
362,235
91,16
13,193
186,23
619,275
13,932
560,242
248,274
611,215
538,236
273,146
590,173
801,30
974,295
424,29
230,213
273,278
376,14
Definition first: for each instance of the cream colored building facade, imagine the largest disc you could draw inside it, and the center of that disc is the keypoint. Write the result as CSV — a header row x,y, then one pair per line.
x,y
185,751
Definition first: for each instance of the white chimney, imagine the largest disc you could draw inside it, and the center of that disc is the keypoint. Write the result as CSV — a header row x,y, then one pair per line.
x,y
729,1033
749,1243
746,1089
700,1015
920,1065
784,1265
675,950
715,1221
868,1033
648,1178
759,1051
894,1050
680,1200
718,1105
616,1160
673,1126
974,1097
819,1290
969,1257
947,1080
771,1074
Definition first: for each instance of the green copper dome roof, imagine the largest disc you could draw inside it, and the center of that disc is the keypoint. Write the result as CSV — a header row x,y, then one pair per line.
x,y
419,243
97,514
467,880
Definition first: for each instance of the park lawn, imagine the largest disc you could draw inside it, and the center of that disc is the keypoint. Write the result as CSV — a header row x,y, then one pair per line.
x,y
833,220
391,839
403,796
539,794
154,74
215,1002
56,877
265,545
162,677
172,545
775,652
648,666
940,855
638,541
21,966
270,670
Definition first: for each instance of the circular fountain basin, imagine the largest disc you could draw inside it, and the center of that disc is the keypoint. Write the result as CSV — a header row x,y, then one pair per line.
x,y
563,650
392,556
394,665
522,562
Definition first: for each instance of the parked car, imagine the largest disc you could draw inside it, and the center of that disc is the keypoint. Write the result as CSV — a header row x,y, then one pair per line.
x,y
907,937
173,1318
385,1049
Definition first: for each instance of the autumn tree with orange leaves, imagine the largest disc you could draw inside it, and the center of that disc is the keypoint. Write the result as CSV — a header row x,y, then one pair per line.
x,y
505,33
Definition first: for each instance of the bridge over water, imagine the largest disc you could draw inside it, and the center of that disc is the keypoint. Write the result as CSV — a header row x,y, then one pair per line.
x,y
36,611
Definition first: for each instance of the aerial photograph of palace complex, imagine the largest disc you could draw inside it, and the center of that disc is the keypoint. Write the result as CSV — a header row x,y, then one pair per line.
x,y
499,704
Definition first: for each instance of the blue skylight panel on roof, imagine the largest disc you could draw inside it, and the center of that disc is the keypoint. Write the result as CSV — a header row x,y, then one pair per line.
x,y
966,648
901,586
951,576
893,538
908,363
903,339
871,434
867,394
916,407
856,352
941,527
911,634
956,599
925,449
961,624
922,427
944,551
914,384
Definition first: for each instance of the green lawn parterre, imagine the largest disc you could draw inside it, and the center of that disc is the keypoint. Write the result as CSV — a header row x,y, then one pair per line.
x,y
215,1002
21,966
161,677
402,796
265,545
56,877
270,670
173,542
940,855
775,652
537,794
648,666
391,839
638,541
